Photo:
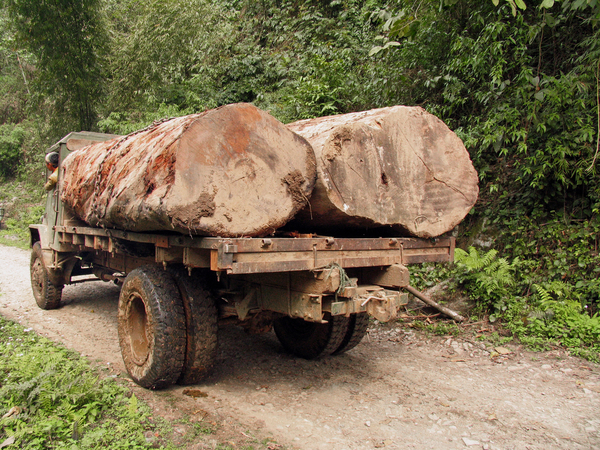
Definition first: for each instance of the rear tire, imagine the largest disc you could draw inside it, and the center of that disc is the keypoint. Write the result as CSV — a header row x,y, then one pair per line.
x,y
309,339
151,323
47,295
201,324
357,329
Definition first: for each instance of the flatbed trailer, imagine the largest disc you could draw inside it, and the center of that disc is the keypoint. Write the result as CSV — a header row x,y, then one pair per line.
x,y
317,292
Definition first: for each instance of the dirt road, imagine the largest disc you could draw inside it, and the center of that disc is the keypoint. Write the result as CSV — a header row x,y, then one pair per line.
x,y
398,389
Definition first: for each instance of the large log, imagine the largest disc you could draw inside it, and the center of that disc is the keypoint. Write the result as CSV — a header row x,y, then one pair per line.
x,y
399,167
232,171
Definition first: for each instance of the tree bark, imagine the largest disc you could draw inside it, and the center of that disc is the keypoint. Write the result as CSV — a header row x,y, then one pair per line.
x,y
231,171
398,168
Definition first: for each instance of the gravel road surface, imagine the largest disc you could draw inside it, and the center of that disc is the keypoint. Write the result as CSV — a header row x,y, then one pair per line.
x,y
398,389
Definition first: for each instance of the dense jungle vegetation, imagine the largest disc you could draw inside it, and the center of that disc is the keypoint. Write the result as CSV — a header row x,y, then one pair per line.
x,y
517,80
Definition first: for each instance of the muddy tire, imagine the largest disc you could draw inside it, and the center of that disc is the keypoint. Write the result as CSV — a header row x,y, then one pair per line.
x,y
47,295
201,324
311,340
357,329
151,322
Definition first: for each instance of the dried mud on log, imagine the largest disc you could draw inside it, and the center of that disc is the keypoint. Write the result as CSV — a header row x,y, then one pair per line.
x,y
231,171
398,167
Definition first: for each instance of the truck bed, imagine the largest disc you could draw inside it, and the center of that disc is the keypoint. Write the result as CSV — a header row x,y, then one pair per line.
x,y
257,255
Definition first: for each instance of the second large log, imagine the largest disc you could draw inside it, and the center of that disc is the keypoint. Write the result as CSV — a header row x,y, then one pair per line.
x,y
232,171
399,168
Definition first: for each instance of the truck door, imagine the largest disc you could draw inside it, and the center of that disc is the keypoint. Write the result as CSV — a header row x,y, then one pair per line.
x,y
53,200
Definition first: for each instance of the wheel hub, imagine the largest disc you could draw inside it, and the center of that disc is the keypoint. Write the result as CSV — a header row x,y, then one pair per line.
x,y
137,321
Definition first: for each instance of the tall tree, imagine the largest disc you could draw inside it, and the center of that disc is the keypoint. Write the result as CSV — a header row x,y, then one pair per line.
x,y
66,36
156,46
518,84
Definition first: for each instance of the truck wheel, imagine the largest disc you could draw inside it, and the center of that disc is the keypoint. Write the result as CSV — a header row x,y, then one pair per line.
x,y
151,323
357,329
309,339
47,295
201,324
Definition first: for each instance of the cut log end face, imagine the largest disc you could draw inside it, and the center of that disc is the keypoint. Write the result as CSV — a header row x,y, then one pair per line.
x,y
257,173
398,167
295,184
187,216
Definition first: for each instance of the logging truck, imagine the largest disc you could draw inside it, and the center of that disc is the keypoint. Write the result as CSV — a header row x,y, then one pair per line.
x,y
316,292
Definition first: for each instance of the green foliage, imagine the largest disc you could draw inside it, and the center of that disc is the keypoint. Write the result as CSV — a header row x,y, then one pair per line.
x,y
520,90
295,59
514,4
17,228
551,311
23,204
157,47
124,123
16,72
58,402
443,329
560,252
428,275
318,93
11,139
488,278
556,318
66,37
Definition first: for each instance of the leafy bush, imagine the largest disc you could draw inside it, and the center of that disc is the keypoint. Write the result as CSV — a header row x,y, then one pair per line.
x,y
551,317
487,278
11,140
125,123
523,100
538,314
24,205
557,250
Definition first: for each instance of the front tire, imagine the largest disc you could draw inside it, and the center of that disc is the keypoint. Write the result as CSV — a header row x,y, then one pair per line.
x,y
47,295
151,323
311,340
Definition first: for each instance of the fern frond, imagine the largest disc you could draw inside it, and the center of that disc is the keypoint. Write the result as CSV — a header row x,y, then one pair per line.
x,y
488,258
545,296
473,260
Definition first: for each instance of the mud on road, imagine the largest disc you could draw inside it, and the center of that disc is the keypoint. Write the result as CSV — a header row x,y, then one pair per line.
x,y
398,389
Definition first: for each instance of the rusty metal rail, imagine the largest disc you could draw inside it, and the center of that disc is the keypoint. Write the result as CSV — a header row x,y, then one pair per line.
x,y
258,255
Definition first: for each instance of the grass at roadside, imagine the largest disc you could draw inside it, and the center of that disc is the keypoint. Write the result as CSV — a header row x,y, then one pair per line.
x,y
50,397
23,204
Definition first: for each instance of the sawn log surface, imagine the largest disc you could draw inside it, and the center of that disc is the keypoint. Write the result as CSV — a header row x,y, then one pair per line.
x,y
231,171
398,169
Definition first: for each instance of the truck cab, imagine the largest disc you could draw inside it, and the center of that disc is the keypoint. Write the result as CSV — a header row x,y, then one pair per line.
x,y
55,213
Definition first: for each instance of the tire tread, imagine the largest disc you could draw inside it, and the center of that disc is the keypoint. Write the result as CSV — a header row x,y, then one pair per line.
x,y
163,303
357,329
311,340
50,295
201,325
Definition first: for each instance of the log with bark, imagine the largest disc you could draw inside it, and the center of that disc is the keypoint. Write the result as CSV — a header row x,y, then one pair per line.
x,y
231,171
399,167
